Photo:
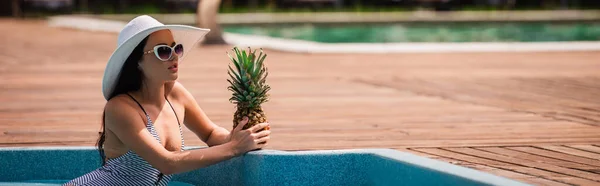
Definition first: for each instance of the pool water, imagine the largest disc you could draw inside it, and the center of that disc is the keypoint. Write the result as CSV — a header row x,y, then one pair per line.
x,y
60,182
54,166
427,32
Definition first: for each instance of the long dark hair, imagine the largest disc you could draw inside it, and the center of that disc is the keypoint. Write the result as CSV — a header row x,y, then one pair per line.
x,y
130,79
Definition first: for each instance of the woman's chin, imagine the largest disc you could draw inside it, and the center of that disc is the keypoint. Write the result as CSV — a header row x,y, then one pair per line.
x,y
173,77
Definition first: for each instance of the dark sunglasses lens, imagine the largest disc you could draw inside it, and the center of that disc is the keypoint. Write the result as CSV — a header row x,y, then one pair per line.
x,y
179,49
163,52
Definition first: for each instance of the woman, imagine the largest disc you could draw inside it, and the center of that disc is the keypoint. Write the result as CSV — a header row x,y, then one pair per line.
x,y
142,142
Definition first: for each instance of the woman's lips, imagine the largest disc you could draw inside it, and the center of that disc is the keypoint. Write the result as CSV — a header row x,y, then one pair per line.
x,y
173,68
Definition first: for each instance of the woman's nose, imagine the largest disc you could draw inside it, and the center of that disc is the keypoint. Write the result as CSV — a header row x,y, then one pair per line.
x,y
174,57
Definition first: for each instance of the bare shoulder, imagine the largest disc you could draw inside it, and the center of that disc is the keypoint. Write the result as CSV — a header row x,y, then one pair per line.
x,y
118,103
120,108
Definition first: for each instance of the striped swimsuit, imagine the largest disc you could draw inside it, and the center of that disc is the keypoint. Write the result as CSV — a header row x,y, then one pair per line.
x,y
129,168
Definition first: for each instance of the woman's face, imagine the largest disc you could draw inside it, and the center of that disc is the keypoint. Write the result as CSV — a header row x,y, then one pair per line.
x,y
153,68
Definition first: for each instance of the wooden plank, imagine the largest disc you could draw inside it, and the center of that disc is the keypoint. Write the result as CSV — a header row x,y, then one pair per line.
x,y
481,93
534,180
589,148
526,163
555,176
528,90
540,159
572,151
557,155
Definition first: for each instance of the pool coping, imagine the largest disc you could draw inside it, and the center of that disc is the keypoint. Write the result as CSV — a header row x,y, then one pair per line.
x,y
300,46
396,155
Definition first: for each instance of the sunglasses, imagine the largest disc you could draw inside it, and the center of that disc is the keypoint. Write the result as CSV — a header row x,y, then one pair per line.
x,y
165,52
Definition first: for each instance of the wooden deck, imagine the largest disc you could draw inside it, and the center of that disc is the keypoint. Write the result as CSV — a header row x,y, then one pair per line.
x,y
533,117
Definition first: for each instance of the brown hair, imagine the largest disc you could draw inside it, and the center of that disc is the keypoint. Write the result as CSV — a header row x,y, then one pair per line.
x,y
130,79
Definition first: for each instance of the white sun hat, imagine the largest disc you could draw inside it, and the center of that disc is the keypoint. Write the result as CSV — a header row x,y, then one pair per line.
x,y
133,33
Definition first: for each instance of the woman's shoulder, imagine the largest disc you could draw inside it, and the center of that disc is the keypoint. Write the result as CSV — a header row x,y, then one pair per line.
x,y
121,108
118,101
121,104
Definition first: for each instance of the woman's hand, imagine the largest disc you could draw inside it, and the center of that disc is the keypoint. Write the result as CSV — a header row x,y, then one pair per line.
x,y
249,139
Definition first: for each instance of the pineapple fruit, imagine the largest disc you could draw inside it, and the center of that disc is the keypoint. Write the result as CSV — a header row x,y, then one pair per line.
x,y
248,86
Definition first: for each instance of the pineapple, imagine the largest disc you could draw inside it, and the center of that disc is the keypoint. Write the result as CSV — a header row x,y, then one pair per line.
x,y
248,86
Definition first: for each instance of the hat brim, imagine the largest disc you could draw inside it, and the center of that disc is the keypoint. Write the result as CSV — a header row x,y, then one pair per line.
x,y
188,36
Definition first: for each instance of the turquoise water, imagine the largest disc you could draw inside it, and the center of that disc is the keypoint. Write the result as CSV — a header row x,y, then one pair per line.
x,y
427,32
60,182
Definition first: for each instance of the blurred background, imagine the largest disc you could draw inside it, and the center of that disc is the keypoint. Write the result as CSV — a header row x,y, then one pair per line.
x,y
472,82
41,7
350,21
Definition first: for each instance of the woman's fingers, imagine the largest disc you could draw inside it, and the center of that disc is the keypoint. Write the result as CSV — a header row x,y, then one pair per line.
x,y
241,124
262,140
261,145
262,134
256,128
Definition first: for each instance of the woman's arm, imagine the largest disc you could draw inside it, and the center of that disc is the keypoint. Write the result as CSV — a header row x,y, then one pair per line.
x,y
123,120
196,120
218,136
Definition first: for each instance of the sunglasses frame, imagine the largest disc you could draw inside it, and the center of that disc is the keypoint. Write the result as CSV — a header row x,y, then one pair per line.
x,y
155,50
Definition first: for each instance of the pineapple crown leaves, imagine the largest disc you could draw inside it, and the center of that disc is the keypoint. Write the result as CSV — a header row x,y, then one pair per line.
x,y
248,78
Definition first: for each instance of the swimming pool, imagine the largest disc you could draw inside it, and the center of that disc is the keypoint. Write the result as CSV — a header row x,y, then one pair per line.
x,y
56,165
426,32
